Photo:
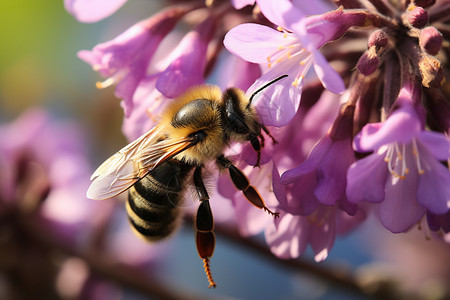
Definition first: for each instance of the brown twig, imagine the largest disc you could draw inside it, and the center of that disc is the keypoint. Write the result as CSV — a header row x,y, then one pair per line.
x,y
124,275
337,277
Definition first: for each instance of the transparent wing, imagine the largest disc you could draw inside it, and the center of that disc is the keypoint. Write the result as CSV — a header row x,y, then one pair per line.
x,y
134,161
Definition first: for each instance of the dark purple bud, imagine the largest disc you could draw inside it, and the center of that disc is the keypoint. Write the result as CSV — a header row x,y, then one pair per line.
x,y
342,127
424,3
368,62
418,17
430,40
378,38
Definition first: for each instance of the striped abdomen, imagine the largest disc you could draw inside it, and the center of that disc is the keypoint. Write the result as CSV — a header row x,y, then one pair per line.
x,y
153,201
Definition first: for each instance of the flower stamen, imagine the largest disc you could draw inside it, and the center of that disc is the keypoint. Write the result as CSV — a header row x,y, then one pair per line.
x,y
104,84
415,152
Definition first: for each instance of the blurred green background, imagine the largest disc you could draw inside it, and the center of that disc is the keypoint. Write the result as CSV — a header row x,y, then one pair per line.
x,y
39,65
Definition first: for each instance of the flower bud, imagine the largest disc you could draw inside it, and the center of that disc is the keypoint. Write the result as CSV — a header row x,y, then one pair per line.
x,y
417,17
378,38
430,40
431,71
424,3
368,62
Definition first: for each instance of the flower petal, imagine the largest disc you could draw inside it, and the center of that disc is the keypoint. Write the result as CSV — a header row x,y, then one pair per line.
x,y
401,126
280,12
278,103
238,4
433,191
331,173
90,11
287,236
400,209
254,42
301,199
313,7
323,234
312,162
437,143
188,61
366,179
330,79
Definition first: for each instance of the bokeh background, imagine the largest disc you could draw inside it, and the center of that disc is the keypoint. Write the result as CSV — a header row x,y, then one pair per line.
x,y
39,68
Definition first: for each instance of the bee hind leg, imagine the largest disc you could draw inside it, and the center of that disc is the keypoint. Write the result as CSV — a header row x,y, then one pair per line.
x,y
204,225
242,183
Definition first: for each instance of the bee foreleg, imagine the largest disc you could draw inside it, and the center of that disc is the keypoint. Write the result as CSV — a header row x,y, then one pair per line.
x,y
274,141
242,183
257,146
204,225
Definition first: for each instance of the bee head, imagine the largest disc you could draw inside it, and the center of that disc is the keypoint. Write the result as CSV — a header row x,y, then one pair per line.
x,y
240,118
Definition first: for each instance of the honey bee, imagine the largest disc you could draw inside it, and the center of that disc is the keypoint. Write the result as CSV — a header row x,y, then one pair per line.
x,y
194,129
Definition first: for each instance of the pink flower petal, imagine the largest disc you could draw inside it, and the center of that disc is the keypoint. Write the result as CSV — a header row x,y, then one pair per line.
x,y
366,179
254,42
90,11
400,209
401,126
313,160
238,4
280,12
433,191
278,103
330,79
287,237
437,143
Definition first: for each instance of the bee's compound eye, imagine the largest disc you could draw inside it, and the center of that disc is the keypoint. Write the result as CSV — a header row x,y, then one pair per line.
x,y
199,136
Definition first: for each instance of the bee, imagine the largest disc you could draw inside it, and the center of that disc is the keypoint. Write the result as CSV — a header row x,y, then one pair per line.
x,y
194,129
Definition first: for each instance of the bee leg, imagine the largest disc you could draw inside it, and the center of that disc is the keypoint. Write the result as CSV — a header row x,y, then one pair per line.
x,y
268,133
204,225
257,146
242,183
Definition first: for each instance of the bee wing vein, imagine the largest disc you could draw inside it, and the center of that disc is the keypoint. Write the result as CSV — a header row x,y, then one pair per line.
x,y
133,162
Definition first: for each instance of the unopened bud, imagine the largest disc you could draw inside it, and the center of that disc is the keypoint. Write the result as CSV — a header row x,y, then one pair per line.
x,y
378,39
368,62
431,71
417,17
430,40
424,3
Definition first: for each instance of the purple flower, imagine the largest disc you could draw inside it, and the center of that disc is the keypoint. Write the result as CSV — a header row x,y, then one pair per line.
x,y
289,53
44,170
125,59
304,220
403,174
187,61
168,80
289,235
238,4
329,161
319,194
236,72
89,11
148,104
311,197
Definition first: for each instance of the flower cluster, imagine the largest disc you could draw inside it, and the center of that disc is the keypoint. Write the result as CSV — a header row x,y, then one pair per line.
x,y
361,123
46,217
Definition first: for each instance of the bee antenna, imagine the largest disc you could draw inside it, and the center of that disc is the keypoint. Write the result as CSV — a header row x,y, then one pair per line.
x,y
265,86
